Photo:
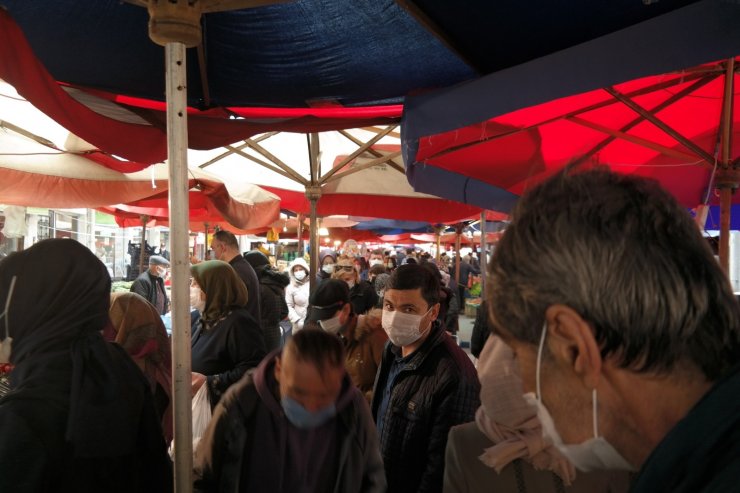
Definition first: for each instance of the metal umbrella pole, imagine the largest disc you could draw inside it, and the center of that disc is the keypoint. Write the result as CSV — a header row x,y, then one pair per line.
x,y
483,260
144,220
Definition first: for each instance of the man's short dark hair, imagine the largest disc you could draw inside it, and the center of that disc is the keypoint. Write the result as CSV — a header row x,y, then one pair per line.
x,y
227,238
377,269
621,252
412,276
317,347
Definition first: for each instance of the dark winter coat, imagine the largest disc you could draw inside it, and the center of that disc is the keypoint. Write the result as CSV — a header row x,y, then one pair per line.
x,y
702,452
481,331
273,307
226,351
222,458
436,389
363,297
249,277
151,288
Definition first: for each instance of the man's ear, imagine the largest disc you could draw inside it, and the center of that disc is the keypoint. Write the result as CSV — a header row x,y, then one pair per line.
x,y
435,311
571,341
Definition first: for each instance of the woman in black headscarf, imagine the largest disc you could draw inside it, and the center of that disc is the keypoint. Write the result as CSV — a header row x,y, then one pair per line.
x,y
79,416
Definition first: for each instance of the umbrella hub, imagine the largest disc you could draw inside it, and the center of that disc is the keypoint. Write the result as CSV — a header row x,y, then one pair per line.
x,y
175,21
313,192
727,178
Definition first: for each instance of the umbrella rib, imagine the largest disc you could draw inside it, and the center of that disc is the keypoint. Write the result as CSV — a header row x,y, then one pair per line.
x,y
679,95
277,162
595,106
649,116
359,151
363,166
436,30
372,151
229,151
260,162
631,138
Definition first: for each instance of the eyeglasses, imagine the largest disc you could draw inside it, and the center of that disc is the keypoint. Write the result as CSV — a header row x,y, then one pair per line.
x,y
346,268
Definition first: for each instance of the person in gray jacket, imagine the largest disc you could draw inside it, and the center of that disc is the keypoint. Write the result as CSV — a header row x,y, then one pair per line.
x,y
296,424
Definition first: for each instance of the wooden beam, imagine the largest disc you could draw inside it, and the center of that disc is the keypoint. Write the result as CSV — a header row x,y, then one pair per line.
x,y
679,95
595,106
636,140
359,151
361,167
430,25
377,130
269,166
277,162
649,116
358,142
203,68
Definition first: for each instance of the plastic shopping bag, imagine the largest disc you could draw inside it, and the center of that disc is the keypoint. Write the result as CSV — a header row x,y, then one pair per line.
x,y
201,407
201,413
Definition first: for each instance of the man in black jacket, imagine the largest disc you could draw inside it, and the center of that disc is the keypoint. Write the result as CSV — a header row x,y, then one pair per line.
x,y
425,384
226,248
273,307
150,284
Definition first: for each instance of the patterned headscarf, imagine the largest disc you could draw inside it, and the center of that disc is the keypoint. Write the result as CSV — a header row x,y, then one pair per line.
x,y
223,287
138,328
508,420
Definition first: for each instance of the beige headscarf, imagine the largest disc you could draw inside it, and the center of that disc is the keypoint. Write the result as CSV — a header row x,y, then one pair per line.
x,y
508,420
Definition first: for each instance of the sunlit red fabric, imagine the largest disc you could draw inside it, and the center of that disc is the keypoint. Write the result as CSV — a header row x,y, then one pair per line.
x,y
519,149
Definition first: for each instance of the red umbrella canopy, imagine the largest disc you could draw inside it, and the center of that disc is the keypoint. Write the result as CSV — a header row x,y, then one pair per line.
x,y
667,127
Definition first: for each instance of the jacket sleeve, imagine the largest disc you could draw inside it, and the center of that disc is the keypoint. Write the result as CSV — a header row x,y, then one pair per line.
x,y
373,478
141,288
454,476
23,457
246,347
290,302
457,405
480,330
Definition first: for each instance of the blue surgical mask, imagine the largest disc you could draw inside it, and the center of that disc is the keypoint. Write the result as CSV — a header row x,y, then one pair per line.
x,y
303,418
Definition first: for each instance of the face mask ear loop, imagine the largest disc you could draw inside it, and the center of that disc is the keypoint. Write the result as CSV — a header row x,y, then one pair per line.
x,y
7,306
596,418
539,360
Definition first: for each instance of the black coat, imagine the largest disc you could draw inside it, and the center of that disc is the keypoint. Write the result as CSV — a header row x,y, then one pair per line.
x,y
363,297
150,287
35,456
437,389
702,452
247,274
481,331
273,307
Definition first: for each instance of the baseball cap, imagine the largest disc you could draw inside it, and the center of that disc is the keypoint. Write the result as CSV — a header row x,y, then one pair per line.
x,y
329,297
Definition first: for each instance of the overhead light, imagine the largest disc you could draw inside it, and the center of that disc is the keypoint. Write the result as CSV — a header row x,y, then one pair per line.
x,y
323,232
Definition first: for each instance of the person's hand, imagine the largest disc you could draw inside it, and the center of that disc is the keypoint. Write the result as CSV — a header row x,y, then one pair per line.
x,y
374,318
197,381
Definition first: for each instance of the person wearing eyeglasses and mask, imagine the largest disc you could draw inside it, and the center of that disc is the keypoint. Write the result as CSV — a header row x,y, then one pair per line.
x,y
362,294
362,335
625,328
150,284
425,384
295,424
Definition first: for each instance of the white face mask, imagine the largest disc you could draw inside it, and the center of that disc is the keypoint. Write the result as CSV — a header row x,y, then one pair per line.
x,y
375,261
328,268
161,271
299,274
593,454
196,300
403,328
6,344
331,325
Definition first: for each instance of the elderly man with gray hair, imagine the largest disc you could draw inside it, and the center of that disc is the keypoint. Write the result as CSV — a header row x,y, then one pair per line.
x,y
626,331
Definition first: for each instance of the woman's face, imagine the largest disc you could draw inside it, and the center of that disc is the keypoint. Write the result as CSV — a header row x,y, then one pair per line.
x,y
345,271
